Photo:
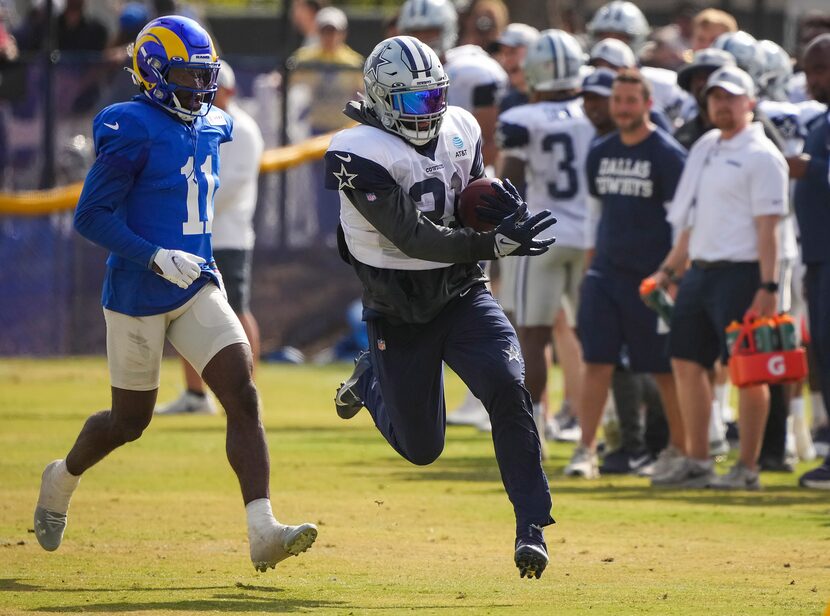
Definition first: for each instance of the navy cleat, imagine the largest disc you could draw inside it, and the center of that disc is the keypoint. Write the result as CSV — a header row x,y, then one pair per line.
x,y
531,554
347,402
818,478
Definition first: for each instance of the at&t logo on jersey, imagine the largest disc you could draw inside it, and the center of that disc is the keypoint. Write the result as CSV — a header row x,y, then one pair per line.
x,y
458,142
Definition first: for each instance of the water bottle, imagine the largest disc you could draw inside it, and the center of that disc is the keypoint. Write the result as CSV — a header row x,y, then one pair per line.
x,y
733,330
657,299
787,334
762,333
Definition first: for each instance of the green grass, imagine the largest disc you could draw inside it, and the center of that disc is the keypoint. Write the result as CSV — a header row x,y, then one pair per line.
x,y
159,527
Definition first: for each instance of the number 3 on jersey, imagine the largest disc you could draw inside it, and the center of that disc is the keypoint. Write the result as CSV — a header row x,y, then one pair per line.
x,y
567,180
195,224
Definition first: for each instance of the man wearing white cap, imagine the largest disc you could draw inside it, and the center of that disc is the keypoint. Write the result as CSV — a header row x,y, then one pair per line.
x,y
731,197
233,232
513,43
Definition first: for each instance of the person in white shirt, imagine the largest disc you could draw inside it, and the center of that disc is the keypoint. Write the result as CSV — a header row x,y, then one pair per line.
x,y
233,233
726,210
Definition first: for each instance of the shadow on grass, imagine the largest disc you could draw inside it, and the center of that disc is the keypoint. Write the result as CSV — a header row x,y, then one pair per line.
x,y
236,600
484,469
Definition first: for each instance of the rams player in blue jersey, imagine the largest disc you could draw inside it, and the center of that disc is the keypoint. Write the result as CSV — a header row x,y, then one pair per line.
x,y
148,199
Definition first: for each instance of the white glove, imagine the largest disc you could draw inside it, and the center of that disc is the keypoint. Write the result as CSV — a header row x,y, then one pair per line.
x,y
179,267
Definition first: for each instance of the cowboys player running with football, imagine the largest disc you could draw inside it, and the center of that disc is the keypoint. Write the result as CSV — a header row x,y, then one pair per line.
x,y
399,173
148,199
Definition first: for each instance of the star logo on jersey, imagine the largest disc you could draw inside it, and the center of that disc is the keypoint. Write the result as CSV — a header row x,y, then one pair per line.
x,y
513,354
375,62
344,178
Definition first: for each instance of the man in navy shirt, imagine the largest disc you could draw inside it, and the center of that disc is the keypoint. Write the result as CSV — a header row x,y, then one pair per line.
x,y
812,198
633,172
148,199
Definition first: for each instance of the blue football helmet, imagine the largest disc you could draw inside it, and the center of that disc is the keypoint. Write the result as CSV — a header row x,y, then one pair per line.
x,y
176,66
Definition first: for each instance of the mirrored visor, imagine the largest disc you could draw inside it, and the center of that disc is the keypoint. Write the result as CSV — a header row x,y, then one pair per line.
x,y
424,102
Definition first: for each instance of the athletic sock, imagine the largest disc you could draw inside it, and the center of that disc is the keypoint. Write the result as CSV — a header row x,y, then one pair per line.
x,y
200,394
60,484
260,518
722,398
817,406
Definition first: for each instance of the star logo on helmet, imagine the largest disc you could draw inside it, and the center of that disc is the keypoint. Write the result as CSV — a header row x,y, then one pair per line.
x,y
344,178
375,62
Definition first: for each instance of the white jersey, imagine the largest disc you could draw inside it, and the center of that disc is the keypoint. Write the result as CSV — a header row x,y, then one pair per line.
x,y
433,182
668,97
235,201
792,121
476,79
553,139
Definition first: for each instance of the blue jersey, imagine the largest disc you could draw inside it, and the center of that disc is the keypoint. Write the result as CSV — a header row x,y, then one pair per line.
x,y
151,187
633,183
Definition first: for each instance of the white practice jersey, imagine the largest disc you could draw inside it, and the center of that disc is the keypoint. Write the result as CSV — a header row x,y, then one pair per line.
x,y
476,79
372,157
553,139
792,121
668,97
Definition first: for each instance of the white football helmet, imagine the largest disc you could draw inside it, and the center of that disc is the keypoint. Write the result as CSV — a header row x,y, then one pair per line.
x,y
406,88
441,15
553,62
777,71
615,52
748,55
621,18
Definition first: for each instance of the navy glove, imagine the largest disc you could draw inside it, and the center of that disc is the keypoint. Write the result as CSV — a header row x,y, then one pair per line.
x,y
506,201
516,234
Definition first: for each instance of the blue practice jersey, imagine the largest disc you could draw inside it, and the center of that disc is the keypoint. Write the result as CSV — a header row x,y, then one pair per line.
x,y
633,183
151,187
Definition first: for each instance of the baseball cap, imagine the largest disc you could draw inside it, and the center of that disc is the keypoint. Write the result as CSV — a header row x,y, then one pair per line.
x,y
333,17
225,78
518,35
706,59
601,82
733,80
615,52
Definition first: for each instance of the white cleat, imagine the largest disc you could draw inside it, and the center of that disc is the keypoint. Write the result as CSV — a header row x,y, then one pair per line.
x,y
470,413
189,404
283,541
584,463
52,505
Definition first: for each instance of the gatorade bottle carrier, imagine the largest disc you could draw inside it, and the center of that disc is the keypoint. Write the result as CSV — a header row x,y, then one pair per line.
x,y
755,355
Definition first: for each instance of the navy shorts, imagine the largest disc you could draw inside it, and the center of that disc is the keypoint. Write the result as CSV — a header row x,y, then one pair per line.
x,y
235,267
613,318
707,301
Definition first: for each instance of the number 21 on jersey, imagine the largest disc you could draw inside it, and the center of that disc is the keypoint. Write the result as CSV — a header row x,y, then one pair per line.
x,y
195,224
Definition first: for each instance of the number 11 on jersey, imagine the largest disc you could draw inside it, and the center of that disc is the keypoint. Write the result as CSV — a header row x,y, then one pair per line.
x,y
194,225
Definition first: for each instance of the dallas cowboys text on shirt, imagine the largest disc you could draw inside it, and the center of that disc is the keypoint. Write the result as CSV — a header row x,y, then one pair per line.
x,y
625,176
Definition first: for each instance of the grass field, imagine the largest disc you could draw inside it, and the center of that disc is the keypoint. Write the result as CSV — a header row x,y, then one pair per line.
x,y
159,527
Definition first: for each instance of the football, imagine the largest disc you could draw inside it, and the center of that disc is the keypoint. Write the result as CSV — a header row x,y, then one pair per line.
x,y
471,198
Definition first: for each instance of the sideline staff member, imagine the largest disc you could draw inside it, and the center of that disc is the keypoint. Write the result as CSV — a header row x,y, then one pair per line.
x,y
731,196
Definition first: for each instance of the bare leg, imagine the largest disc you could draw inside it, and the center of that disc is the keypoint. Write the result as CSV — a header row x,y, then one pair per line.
x,y
192,379
107,430
752,418
251,328
671,408
533,341
229,375
569,352
596,381
694,394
